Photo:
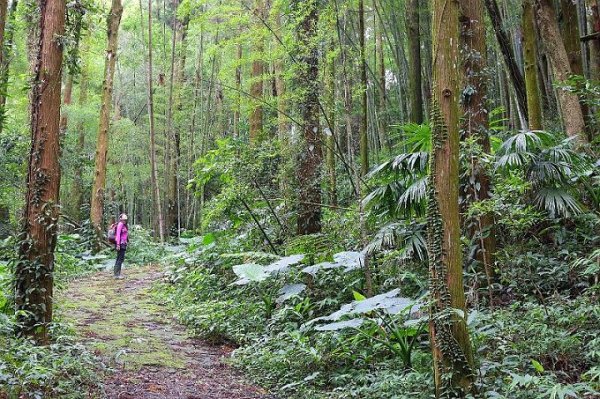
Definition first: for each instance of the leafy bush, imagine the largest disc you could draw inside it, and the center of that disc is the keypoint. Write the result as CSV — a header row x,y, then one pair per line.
x,y
63,369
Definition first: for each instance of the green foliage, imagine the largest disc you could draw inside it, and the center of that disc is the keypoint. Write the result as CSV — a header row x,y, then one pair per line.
x,y
63,369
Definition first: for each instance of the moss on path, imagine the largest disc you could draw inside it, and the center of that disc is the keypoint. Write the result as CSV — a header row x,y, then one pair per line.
x,y
149,353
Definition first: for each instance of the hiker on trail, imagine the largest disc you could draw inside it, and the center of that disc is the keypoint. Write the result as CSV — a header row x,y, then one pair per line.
x,y
121,240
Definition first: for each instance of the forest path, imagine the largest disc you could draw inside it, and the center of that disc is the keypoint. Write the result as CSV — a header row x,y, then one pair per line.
x,y
151,355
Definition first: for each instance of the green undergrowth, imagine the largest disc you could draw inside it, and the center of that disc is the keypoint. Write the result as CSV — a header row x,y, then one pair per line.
x,y
64,369
527,346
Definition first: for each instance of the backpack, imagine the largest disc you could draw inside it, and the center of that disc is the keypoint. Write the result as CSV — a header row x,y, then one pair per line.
x,y
112,233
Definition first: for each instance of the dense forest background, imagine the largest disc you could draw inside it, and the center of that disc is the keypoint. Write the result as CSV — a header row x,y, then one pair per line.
x,y
369,198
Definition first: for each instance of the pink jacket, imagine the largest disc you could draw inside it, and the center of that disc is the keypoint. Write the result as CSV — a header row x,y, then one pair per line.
x,y
121,235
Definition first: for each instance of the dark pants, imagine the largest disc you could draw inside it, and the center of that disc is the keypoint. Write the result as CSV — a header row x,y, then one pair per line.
x,y
120,259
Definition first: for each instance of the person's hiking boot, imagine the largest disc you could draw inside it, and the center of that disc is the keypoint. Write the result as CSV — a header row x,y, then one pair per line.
x,y
119,277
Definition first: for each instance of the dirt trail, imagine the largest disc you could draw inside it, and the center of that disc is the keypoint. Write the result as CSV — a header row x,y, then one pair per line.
x,y
151,355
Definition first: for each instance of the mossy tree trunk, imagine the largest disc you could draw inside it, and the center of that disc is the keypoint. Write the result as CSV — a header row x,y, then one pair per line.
x,y
451,347
310,159
534,108
97,203
34,270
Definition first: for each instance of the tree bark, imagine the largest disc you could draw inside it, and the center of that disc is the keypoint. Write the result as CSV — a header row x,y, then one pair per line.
x,y
530,57
34,269
97,202
311,157
569,103
514,72
363,132
414,66
476,124
451,347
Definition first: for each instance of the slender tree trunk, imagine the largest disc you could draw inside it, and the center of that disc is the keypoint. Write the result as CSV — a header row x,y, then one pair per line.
x,y
67,97
530,57
153,164
451,347
414,71
8,31
514,72
97,203
331,131
77,189
311,157
363,132
256,85
595,44
382,93
475,124
34,271
282,119
238,95
172,133
569,103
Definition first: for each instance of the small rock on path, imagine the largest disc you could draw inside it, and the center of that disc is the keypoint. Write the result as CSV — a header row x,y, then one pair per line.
x,y
150,354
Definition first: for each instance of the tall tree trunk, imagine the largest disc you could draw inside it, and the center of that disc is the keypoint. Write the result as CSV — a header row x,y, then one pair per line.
x,y
569,103
172,132
363,132
282,119
382,93
530,57
8,31
570,35
331,130
451,347
514,72
476,124
34,270
97,203
153,163
256,85
238,94
77,189
414,71
311,157
594,22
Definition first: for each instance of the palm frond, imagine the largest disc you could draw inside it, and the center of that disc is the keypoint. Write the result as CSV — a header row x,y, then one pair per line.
x,y
557,201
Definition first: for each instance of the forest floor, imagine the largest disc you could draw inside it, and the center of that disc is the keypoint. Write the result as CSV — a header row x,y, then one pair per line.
x,y
147,354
